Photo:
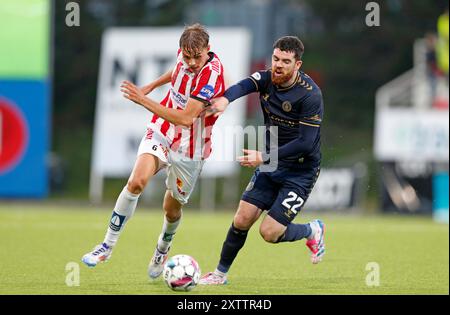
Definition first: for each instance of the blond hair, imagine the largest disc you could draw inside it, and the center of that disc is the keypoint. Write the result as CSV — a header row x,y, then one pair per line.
x,y
194,38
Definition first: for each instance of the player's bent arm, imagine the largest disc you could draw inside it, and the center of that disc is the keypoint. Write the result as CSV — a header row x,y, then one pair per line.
x,y
162,80
242,88
177,117
302,145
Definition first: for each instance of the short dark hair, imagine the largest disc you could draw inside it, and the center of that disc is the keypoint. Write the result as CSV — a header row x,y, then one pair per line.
x,y
194,38
290,44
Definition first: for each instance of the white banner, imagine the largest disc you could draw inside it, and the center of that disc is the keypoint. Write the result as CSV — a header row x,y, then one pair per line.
x,y
412,135
141,55
333,190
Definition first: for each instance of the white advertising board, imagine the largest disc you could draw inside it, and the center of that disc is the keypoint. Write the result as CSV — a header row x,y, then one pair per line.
x,y
412,135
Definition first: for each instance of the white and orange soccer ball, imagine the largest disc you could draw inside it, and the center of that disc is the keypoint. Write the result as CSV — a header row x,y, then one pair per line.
x,y
181,273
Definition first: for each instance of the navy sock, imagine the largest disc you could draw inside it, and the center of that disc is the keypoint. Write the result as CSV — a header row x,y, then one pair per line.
x,y
295,232
233,243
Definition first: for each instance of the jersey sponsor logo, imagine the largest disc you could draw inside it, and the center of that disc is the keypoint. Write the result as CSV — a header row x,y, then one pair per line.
x,y
256,76
207,91
287,106
178,98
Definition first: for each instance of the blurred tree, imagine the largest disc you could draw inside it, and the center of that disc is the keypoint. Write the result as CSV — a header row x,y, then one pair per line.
x,y
355,59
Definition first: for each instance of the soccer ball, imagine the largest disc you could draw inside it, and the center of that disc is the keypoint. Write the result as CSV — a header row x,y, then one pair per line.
x,y
181,273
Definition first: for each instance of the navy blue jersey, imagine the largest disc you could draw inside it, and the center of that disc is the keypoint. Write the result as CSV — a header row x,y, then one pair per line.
x,y
290,108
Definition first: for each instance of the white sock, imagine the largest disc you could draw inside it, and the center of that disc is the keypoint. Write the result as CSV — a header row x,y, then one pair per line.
x,y
219,273
314,228
123,211
168,231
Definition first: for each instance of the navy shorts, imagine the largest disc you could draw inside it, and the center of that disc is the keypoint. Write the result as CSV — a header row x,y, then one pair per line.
x,y
282,192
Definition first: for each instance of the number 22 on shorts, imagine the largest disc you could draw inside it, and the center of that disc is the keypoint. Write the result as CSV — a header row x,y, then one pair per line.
x,y
288,202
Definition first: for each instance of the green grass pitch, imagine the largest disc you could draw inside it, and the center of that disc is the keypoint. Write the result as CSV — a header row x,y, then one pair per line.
x,y
37,242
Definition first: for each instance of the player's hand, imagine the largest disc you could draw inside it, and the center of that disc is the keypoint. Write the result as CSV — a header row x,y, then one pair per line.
x,y
218,106
132,92
147,89
251,158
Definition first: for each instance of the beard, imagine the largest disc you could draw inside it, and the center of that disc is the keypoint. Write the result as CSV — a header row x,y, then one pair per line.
x,y
281,79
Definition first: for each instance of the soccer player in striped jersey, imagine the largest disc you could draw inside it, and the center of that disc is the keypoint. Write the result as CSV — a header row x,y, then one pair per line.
x,y
178,139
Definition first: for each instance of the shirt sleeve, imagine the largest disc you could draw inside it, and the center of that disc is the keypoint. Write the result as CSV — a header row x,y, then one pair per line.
x,y
312,110
261,80
254,83
301,145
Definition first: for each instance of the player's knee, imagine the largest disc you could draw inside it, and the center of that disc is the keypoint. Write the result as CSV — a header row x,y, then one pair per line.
x,y
172,214
242,221
172,211
136,185
269,234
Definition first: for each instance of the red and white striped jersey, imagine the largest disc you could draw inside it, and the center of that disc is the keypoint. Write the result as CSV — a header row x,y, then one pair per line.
x,y
195,141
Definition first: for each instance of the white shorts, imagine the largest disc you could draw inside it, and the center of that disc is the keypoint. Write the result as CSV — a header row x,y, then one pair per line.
x,y
182,172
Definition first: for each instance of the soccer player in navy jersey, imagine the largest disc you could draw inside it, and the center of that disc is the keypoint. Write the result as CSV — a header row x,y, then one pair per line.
x,y
293,104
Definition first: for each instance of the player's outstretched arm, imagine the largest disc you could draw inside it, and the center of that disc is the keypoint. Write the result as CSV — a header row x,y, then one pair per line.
x,y
164,79
218,106
242,88
183,117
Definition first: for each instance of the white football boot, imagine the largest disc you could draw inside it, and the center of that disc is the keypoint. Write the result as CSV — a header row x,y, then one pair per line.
x,y
100,253
212,278
156,265
317,243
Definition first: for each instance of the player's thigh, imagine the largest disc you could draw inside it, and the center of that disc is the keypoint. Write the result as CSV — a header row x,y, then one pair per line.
x,y
261,191
145,167
151,157
246,215
293,195
182,176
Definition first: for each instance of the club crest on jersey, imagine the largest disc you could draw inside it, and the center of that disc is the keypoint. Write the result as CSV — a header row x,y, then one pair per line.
x,y
287,107
207,91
